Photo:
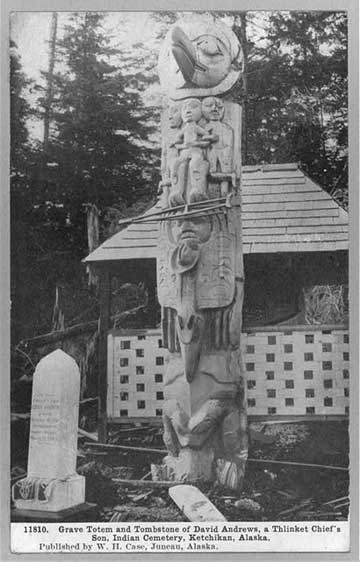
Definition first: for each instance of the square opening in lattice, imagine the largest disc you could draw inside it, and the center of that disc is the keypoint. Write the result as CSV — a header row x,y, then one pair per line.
x,y
271,340
139,352
251,384
326,347
308,375
125,344
328,383
289,383
158,378
310,409
123,413
141,404
270,375
139,369
327,365
288,348
328,401
308,357
271,410
289,401
159,361
309,393
251,402
140,387
158,412
309,338
124,361
271,393
160,396
250,366
270,357
250,349
124,379
288,366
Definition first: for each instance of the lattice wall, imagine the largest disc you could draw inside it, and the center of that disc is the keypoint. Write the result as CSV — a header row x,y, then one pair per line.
x,y
296,372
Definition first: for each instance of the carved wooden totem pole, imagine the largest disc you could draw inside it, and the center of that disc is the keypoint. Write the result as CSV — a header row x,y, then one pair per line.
x,y
200,262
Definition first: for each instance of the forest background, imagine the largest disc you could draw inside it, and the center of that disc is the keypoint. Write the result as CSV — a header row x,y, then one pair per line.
x,y
85,139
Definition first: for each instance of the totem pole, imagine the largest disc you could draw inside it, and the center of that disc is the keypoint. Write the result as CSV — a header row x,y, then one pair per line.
x,y
200,261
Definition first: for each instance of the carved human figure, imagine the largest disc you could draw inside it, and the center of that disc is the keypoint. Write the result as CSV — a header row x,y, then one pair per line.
x,y
204,389
169,151
220,152
189,169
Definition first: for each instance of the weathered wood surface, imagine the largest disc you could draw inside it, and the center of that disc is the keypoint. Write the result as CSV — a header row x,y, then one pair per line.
x,y
194,504
271,193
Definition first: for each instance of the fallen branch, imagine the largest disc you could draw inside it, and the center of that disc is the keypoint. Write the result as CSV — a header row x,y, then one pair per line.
x,y
297,507
264,461
344,498
84,328
128,448
300,464
151,483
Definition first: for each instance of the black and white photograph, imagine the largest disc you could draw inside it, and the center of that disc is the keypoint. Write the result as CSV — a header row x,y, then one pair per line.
x,y
180,374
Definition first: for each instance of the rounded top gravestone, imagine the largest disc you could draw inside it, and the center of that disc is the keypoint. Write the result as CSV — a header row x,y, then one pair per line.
x,y
54,417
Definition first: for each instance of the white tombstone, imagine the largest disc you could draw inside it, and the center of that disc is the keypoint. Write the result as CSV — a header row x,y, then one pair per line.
x,y
52,483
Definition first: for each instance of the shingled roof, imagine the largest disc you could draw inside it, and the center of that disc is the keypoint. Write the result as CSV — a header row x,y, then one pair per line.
x,y
283,211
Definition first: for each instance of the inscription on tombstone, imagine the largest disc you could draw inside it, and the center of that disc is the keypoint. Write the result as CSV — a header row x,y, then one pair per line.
x,y
52,483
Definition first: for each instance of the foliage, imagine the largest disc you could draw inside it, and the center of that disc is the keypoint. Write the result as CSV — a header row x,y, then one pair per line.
x,y
104,138
296,93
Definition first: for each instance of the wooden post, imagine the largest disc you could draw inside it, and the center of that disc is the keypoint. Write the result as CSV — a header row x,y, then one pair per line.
x,y
104,322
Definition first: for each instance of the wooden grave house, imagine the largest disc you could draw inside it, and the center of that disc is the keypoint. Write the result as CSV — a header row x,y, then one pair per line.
x,y
295,331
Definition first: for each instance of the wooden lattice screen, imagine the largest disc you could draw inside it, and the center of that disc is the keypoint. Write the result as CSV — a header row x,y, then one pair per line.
x,y
293,371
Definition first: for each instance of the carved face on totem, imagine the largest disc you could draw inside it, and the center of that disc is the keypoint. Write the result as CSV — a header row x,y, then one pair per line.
x,y
213,108
188,235
175,116
191,110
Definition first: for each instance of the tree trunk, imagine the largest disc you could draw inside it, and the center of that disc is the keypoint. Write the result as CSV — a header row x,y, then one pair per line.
x,y
49,93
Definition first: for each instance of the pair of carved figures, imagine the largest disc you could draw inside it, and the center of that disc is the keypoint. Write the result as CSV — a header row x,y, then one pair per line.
x,y
198,143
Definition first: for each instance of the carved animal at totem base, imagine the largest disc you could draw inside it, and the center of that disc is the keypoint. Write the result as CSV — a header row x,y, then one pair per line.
x,y
200,289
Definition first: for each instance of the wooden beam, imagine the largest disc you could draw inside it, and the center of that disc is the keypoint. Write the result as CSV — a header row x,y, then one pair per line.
x,y
104,324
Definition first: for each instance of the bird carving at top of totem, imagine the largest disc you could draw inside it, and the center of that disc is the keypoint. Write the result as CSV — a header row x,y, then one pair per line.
x,y
199,58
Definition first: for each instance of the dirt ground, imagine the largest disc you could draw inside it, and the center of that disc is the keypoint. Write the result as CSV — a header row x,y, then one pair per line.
x,y
271,492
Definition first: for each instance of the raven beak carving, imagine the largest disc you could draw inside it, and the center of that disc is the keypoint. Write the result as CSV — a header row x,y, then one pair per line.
x,y
185,54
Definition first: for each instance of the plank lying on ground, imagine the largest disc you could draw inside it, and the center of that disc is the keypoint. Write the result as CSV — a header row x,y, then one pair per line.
x,y
261,461
83,433
148,483
194,504
128,448
300,464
